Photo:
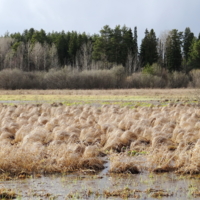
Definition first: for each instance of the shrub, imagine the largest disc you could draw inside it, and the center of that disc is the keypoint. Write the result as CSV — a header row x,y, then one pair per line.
x,y
56,79
17,79
97,79
141,80
178,80
195,81
151,77
11,79
119,75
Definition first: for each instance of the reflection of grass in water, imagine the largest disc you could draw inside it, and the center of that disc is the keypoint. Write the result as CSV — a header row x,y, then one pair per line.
x,y
123,186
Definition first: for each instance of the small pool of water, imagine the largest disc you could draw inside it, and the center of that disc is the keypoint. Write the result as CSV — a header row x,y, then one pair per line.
x,y
100,186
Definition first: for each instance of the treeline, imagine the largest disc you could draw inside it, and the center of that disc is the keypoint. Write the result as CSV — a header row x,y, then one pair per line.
x,y
110,59
37,50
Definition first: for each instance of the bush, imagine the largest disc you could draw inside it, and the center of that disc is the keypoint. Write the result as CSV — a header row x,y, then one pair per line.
x,y
11,79
141,80
148,69
119,75
195,80
17,79
33,80
178,80
69,78
97,79
56,79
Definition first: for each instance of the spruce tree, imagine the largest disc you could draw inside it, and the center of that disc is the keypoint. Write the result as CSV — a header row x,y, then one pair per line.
x,y
187,41
113,45
194,55
173,54
148,48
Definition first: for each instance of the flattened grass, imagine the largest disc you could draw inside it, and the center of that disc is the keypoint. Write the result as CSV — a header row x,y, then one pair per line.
x,y
63,98
126,97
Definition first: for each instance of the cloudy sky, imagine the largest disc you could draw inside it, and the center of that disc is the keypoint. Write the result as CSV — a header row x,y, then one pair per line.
x,y
91,15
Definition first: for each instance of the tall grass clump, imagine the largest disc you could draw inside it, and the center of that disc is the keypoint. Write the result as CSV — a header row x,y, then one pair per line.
x,y
47,138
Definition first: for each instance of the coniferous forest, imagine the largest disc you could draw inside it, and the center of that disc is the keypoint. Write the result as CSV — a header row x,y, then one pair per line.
x,y
110,59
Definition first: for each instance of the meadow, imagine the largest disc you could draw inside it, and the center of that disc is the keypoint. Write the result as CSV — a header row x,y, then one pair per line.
x,y
128,134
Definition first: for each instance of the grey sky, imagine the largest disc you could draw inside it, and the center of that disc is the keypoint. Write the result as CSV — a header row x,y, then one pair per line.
x,y
91,15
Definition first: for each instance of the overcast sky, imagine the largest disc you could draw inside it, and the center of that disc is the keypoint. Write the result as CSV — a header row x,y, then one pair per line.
x,y
91,15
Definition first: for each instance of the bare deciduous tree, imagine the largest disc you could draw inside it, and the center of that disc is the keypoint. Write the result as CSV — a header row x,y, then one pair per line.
x,y
53,57
162,47
5,45
84,56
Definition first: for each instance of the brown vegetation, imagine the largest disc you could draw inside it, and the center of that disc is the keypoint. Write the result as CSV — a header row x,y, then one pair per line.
x,y
60,138
114,78
7,194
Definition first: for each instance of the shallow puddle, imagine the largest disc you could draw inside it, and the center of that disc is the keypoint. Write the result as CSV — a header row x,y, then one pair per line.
x,y
102,186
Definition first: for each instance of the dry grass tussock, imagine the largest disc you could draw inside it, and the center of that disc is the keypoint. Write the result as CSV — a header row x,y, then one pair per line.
x,y
7,194
67,138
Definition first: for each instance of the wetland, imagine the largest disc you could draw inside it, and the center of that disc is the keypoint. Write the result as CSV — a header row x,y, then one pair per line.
x,y
99,144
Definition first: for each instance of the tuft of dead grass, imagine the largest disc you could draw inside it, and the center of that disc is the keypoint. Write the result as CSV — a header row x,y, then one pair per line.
x,y
46,138
7,194
120,165
122,193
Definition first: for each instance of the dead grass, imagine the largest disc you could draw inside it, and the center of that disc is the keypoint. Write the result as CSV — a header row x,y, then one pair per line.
x,y
7,194
122,193
168,93
47,138
158,193
123,165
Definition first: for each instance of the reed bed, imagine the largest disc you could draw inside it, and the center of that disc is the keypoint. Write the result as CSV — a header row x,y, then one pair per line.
x,y
56,138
